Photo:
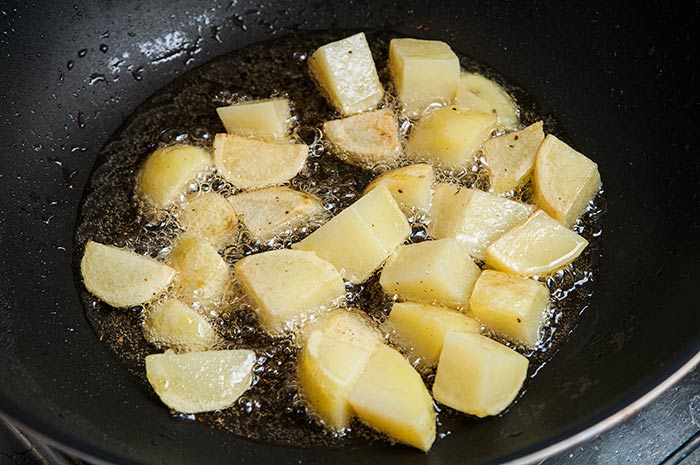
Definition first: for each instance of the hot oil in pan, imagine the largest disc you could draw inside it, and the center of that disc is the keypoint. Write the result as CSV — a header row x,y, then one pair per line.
x,y
184,112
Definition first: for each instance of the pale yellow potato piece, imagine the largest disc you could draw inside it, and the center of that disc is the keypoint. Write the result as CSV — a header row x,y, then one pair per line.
x,y
564,180
390,396
411,186
448,137
167,172
264,119
436,272
425,73
203,278
358,239
366,140
210,217
477,375
473,217
512,306
420,328
510,157
348,325
327,369
539,246
176,325
289,286
123,278
271,211
195,382
346,75
477,92
250,163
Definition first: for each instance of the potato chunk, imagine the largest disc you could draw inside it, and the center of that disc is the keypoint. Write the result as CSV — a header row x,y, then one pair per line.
x,y
475,218
204,278
425,73
539,246
264,119
358,239
176,325
347,325
512,306
420,329
197,382
123,278
432,272
210,217
510,157
390,396
564,181
411,186
345,73
476,92
288,286
365,140
449,137
166,173
249,163
328,368
477,375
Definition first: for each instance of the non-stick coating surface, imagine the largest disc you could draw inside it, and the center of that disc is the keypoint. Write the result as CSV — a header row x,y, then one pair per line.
x,y
620,80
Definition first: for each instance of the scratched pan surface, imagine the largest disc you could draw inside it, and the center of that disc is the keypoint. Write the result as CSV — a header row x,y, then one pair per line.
x,y
621,81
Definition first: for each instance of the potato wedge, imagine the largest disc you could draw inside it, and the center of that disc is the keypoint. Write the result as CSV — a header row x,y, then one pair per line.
x,y
420,328
477,375
345,74
479,93
250,164
267,119
271,211
539,246
411,186
433,272
512,306
510,157
425,73
367,140
176,325
564,181
196,382
210,216
289,286
167,172
348,325
390,396
123,278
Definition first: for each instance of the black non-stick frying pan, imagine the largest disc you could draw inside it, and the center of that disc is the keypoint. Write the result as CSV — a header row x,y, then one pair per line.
x,y
621,80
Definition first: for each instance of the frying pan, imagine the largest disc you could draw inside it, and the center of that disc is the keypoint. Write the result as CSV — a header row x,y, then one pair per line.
x,y
621,80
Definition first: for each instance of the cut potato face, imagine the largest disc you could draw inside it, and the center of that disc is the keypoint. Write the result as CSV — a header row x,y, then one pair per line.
x,y
197,382
434,272
510,157
477,375
288,286
539,246
479,93
473,217
390,396
167,172
425,73
358,239
123,278
348,325
328,369
564,181
176,325
512,306
366,140
210,217
448,137
346,76
411,186
271,211
251,164
263,119
420,328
